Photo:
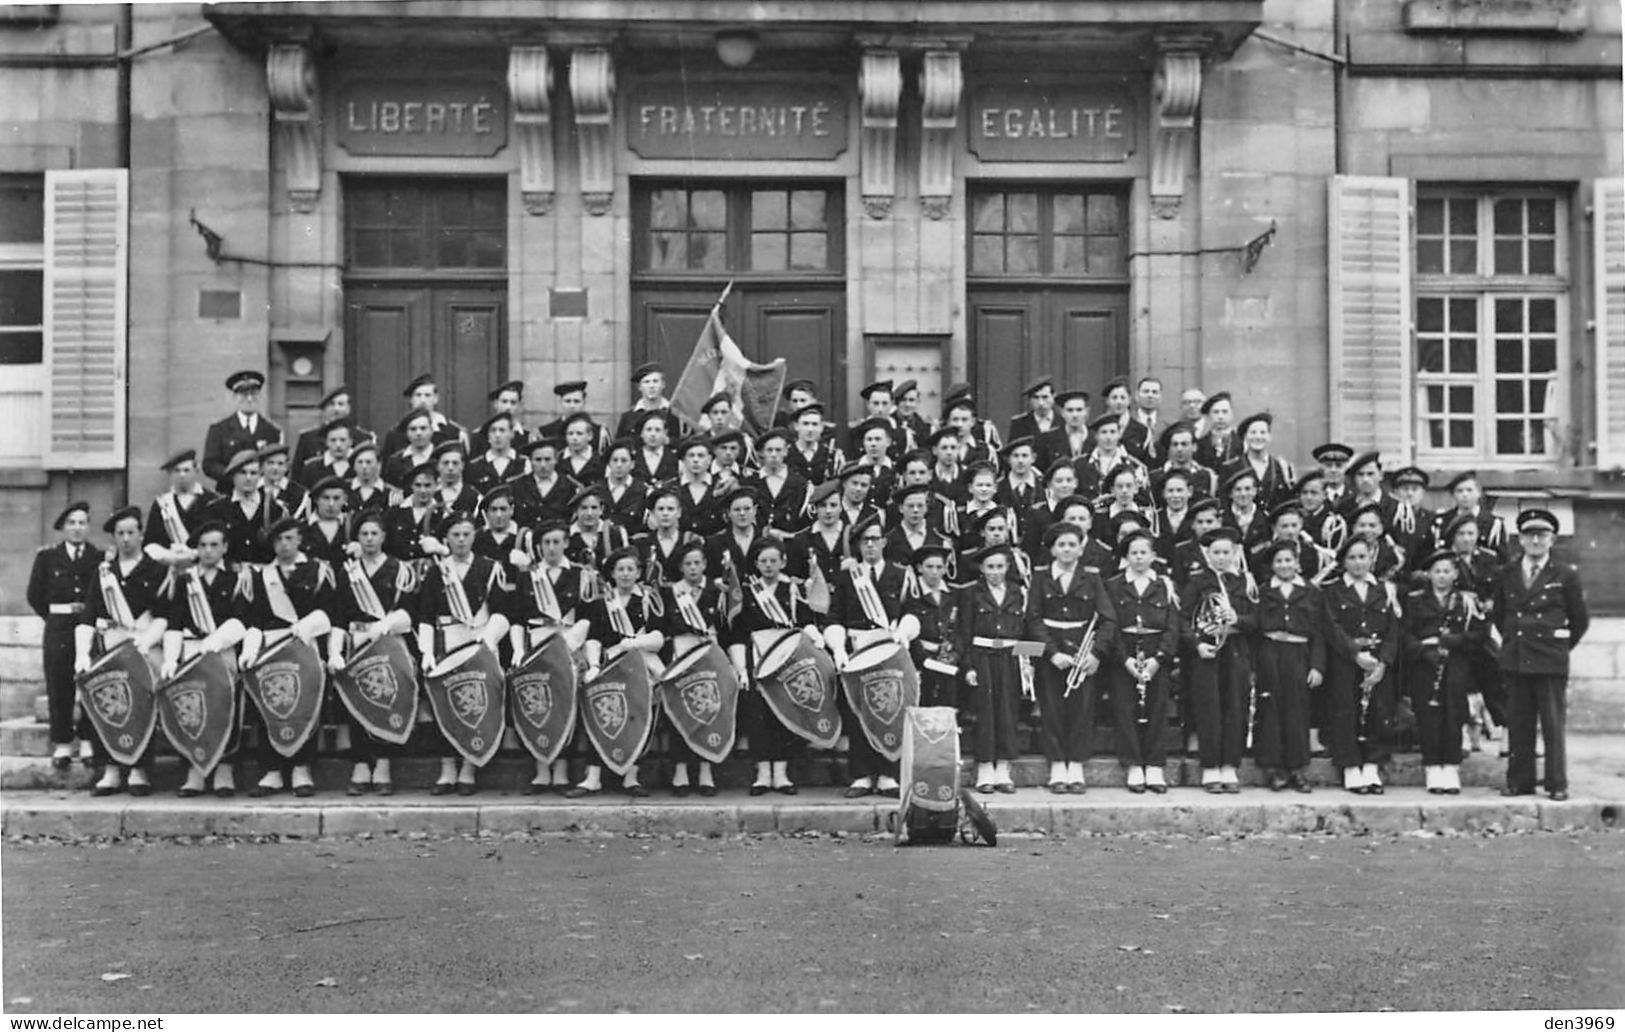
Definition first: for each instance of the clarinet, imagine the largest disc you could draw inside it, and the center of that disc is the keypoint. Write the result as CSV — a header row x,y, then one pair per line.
x,y
1141,680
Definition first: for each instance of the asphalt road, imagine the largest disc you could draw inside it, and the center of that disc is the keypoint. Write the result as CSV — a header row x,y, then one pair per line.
x,y
604,924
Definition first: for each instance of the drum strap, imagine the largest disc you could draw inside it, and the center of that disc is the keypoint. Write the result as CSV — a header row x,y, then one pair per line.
x,y
769,604
113,600
276,595
366,597
170,513
688,607
547,599
869,598
197,602
619,618
456,595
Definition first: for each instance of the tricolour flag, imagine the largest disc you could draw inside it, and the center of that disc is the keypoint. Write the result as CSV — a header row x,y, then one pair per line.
x,y
717,365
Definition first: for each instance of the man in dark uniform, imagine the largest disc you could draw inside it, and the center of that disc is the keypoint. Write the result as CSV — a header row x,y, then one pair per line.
x,y
424,393
176,514
1220,444
1142,434
327,530
865,606
785,493
1468,495
798,394
572,395
244,511
1275,475
334,457
335,406
1071,440
650,382
1040,417
1413,527
243,430
811,456
291,594
276,483
1334,462
1179,445
1365,474
878,405
59,588
824,544
933,650
909,420
543,496
505,400
1540,610
124,605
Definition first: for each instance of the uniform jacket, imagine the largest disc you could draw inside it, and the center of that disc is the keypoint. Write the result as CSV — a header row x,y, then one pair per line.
x,y
979,616
570,584
1541,622
191,509
485,583
142,590
1348,619
311,585
244,542
1207,582
1274,487
1084,598
1156,610
220,593
1304,612
226,438
534,505
483,474
845,609
396,584
786,511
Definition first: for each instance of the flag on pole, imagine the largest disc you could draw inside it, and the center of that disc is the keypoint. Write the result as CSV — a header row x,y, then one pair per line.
x,y
716,366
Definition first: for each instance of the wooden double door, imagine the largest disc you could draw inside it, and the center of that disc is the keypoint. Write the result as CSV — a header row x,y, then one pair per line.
x,y
394,332
803,324
1078,335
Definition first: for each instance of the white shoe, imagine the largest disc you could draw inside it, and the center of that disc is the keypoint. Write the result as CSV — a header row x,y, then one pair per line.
x,y
1450,778
360,774
380,772
1314,741
1001,773
302,778
272,781
1370,775
1136,777
138,777
1229,776
1432,774
679,776
984,775
86,751
1469,740
887,783
1212,776
110,778
194,780
1153,776
1058,773
867,784
1352,779
225,778
705,776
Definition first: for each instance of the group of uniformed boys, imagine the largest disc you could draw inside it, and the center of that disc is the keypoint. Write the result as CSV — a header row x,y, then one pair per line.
x,y
1086,556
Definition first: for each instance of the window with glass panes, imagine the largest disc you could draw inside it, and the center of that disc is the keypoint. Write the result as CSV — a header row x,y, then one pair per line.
x,y
426,226
1048,232
738,228
22,269
1491,288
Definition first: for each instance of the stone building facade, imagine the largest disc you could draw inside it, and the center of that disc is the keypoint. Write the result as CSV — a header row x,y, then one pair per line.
x,y
1398,224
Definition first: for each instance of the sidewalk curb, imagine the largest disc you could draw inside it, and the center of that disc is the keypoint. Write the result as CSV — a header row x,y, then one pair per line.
x,y
1399,812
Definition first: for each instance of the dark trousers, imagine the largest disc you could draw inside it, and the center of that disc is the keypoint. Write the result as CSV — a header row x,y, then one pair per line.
x,y
770,740
1440,710
365,747
1532,697
1218,689
1067,723
60,691
993,700
1356,740
938,689
1282,735
266,758
1138,731
863,760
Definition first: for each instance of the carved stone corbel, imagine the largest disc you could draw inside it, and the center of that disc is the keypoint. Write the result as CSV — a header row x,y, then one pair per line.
x,y
1178,93
530,80
881,85
290,79
592,95
941,82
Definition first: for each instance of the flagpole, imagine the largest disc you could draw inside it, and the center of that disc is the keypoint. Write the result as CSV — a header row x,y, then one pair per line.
x,y
722,299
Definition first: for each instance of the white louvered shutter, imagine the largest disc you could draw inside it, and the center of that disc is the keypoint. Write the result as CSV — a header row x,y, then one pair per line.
x,y
1369,226
1608,231
86,300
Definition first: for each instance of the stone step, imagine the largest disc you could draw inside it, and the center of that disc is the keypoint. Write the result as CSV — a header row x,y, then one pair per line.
x,y
511,773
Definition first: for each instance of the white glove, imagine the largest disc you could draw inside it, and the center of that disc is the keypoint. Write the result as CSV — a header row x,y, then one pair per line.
x,y
592,672
353,550
336,664
432,546
246,658
519,560
167,671
80,663
813,635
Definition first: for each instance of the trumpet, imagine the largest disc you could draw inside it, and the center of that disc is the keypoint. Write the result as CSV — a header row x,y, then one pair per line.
x,y
1075,676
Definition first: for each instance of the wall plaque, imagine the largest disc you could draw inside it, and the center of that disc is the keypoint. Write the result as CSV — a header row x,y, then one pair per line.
x,y
415,118
737,121
1063,122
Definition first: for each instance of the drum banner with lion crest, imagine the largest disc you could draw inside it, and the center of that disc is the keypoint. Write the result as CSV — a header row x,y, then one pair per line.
x,y
542,695
198,709
700,693
468,694
117,695
619,711
797,680
379,686
286,686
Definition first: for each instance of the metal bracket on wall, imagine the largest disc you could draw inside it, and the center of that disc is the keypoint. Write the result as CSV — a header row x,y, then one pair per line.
x,y
215,246
1250,252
